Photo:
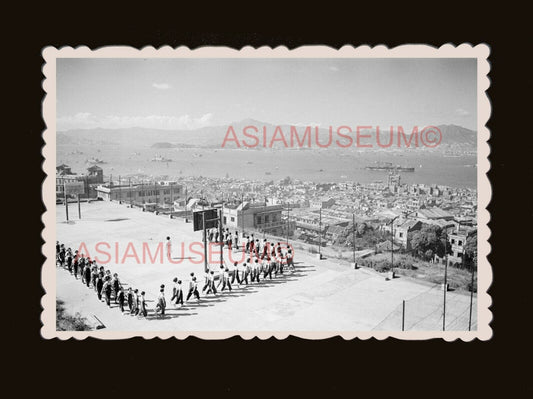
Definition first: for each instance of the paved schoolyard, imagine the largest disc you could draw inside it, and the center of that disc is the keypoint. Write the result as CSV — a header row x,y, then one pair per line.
x,y
322,295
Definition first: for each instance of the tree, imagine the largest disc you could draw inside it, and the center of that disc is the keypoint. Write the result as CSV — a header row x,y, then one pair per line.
x,y
471,250
361,229
429,240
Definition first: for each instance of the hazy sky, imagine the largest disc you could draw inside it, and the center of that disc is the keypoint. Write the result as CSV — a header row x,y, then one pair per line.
x,y
191,93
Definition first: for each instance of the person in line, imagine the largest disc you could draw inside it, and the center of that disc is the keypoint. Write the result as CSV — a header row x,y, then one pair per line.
x,y
290,261
179,294
193,290
99,286
245,273
116,286
252,244
107,289
255,271
75,266
225,279
229,241
130,300
94,276
235,274
174,289
120,299
142,305
211,284
135,303
206,280
169,248
236,240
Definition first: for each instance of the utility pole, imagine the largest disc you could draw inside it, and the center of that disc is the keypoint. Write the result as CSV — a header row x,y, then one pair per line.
x,y
205,243
242,214
66,198
288,222
471,294
131,193
403,315
186,210
221,222
392,246
353,237
320,233
171,199
79,207
445,279
119,191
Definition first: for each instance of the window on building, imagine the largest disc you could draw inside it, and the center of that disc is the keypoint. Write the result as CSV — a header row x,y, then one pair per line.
x,y
453,240
232,219
225,221
266,219
460,242
401,234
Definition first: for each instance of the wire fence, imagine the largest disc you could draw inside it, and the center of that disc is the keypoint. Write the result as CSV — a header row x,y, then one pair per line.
x,y
425,312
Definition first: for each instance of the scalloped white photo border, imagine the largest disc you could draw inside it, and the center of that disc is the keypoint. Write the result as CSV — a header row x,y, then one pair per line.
x,y
480,52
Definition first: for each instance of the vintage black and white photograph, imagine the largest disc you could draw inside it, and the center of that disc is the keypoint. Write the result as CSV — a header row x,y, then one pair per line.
x,y
265,192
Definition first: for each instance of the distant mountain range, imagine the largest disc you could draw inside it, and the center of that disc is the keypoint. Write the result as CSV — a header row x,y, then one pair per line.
x,y
454,138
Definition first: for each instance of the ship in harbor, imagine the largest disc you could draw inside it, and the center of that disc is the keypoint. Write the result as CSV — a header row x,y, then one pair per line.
x,y
160,158
94,161
388,166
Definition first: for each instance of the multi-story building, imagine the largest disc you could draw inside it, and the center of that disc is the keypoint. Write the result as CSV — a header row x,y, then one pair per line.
x,y
90,179
256,216
141,193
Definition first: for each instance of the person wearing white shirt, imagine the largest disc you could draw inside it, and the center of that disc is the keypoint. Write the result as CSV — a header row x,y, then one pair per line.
x,y
225,279
169,248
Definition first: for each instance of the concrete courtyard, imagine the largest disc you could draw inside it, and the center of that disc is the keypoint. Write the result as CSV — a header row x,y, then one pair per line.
x,y
322,295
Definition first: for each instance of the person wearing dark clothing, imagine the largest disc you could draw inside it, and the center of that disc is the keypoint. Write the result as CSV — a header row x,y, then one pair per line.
x,y
99,285
142,305
75,267
87,272
120,299
107,289
130,299
116,285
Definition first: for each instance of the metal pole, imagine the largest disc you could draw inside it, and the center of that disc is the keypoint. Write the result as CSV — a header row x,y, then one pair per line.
x,y
288,223
403,315
79,207
353,237
66,198
471,299
242,214
445,280
186,210
131,192
392,246
221,239
119,191
320,233
205,242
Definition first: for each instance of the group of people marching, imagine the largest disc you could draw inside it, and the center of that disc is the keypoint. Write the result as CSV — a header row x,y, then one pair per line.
x,y
106,285
265,260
